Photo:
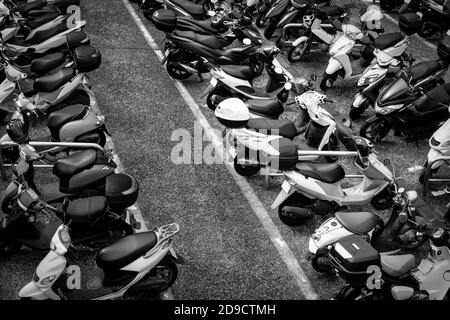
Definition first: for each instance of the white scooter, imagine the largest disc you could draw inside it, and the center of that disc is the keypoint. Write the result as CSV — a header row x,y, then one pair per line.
x,y
438,155
138,262
387,47
311,189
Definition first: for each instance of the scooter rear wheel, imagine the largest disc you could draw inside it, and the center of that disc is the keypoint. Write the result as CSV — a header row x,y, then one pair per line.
x,y
245,171
167,269
375,129
9,247
426,30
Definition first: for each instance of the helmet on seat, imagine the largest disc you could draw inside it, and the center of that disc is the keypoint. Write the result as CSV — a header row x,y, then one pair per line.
x,y
232,113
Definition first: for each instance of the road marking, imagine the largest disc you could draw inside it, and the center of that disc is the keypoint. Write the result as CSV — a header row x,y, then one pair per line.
x,y
283,249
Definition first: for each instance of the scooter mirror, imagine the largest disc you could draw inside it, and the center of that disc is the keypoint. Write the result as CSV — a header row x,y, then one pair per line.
x,y
246,41
278,70
402,217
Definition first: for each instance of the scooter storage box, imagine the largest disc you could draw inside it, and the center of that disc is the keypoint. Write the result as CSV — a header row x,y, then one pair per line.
x,y
443,49
121,191
288,154
87,58
352,256
164,20
409,23
76,39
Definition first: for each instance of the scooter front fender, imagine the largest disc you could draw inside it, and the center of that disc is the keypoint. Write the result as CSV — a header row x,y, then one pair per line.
x,y
30,290
432,156
299,40
334,65
282,196
360,98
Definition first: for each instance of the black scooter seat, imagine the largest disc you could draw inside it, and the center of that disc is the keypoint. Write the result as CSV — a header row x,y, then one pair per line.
x,y
195,10
74,163
208,40
329,173
33,5
424,69
43,35
53,80
42,65
86,210
357,222
59,118
39,20
397,265
206,25
271,108
126,250
388,40
241,72
284,128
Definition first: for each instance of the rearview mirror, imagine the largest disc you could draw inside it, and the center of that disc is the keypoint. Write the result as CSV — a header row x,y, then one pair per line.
x,y
247,41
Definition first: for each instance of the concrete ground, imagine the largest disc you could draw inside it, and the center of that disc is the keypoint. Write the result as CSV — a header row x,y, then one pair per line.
x,y
227,251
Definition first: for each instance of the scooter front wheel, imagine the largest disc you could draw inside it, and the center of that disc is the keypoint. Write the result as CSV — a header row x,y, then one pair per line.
x,y
355,113
245,170
327,81
321,263
299,201
176,71
426,30
168,270
296,53
332,145
9,247
375,129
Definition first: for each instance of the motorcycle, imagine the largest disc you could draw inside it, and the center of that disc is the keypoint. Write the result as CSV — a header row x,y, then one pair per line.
x,y
140,262
311,189
388,239
412,114
236,81
371,276
425,75
389,46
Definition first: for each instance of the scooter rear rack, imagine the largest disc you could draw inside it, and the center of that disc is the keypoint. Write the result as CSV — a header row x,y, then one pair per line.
x,y
427,177
7,144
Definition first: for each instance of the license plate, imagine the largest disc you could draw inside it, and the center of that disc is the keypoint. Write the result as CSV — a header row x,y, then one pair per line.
x,y
286,186
213,82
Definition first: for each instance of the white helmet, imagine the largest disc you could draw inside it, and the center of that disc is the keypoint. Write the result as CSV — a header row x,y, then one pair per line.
x,y
232,113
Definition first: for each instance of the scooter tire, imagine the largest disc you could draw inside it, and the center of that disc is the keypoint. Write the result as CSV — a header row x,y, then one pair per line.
x,y
327,81
426,30
215,92
355,113
298,201
321,264
332,145
375,129
270,29
245,171
283,95
295,54
169,265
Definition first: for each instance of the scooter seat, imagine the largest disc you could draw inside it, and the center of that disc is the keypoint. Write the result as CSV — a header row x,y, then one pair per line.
x,y
74,163
126,250
195,10
328,11
33,5
86,210
41,36
397,265
270,108
388,40
59,118
241,72
424,69
284,128
209,40
206,25
42,65
357,222
39,20
329,173
53,80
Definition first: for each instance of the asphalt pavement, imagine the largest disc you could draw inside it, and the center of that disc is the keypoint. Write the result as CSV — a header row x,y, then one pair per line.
x,y
227,251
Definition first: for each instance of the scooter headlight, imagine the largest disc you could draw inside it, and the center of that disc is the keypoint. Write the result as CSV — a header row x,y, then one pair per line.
x,y
387,110
367,80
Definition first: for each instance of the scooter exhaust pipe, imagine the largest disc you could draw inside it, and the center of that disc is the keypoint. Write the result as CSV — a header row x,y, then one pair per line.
x,y
303,214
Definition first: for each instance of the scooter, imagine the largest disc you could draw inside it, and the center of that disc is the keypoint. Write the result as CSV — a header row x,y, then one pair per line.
x,y
389,46
388,239
97,221
320,36
412,114
438,155
393,277
57,89
236,81
140,262
431,17
185,8
315,189
425,75
256,143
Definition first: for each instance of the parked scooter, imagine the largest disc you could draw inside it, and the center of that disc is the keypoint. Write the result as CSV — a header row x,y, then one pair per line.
x,y
390,47
439,154
256,143
185,8
141,262
236,81
311,189
388,239
412,114
425,75
396,277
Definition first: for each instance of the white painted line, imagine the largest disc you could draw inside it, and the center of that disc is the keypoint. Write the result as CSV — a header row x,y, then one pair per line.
x,y
283,249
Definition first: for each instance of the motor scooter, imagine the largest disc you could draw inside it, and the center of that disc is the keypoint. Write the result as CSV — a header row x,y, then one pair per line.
x,y
316,189
185,8
141,262
411,113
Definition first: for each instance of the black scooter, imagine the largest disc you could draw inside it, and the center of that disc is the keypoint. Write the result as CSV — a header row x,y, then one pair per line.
x,y
412,114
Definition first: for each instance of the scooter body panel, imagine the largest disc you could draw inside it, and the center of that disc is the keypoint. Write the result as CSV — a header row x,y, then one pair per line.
x,y
88,176
47,26
299,40
334,65
329,232
73,129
